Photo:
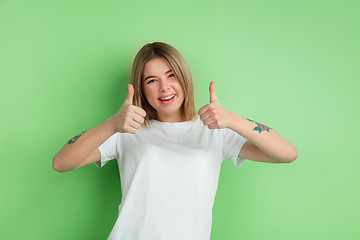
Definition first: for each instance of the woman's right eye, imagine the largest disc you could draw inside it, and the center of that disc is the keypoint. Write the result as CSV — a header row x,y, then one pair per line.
x,y
150,81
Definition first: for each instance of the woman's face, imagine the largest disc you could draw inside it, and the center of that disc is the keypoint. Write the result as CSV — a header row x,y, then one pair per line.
x,y
159,81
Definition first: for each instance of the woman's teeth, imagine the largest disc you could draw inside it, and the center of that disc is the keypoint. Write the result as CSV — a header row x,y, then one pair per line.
x,y
167,98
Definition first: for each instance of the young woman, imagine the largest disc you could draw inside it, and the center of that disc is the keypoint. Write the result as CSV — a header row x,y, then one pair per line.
x,y
169,155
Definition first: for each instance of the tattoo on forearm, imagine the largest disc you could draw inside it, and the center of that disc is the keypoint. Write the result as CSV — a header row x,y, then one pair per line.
x,y
75,138
260,127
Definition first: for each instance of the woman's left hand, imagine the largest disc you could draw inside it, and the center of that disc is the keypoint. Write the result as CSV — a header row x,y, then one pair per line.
x,y
214,115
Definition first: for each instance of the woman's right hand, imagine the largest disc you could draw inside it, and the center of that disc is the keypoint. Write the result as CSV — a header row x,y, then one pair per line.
x,y
130,117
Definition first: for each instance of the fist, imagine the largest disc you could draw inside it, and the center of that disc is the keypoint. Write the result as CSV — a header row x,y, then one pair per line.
x,y
130,117
214,115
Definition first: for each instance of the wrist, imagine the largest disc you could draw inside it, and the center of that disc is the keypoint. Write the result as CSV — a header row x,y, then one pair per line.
x,y
235,120
109,124
232,120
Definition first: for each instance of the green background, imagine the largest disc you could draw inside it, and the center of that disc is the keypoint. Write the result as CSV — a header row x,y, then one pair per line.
x,y
291,65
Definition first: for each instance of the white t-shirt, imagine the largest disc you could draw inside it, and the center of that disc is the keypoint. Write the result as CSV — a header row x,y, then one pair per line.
x,y
169,177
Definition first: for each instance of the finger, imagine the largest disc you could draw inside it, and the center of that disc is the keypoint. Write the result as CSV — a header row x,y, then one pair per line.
x,y
213,96
137,118
203,109
206,115
130,94
209,121
140,111
135,124
132,130
129,127
212,126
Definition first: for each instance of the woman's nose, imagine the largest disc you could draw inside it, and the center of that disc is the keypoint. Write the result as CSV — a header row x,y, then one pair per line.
x,y
164,85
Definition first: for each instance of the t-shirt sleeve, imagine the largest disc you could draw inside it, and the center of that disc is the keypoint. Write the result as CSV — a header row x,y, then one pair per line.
x,y
232,144
109,150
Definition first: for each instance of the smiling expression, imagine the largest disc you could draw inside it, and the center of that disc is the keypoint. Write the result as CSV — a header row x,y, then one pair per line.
x,y
159,82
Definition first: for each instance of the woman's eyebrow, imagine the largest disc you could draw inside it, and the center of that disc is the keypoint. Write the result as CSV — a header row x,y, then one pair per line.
x,y
155,76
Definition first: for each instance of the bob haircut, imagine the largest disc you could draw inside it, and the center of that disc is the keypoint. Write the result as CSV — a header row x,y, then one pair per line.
x,y
180,69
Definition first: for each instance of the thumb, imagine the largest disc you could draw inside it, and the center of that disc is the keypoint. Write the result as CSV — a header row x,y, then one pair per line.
x,y
130,94
213,96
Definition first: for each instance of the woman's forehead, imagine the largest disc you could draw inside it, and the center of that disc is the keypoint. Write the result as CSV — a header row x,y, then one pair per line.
x,y
157,65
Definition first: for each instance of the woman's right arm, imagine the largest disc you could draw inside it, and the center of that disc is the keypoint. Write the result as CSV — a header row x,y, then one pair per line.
x,y
83,147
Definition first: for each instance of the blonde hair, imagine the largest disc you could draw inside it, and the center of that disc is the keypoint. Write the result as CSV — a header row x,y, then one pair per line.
x,y
180,69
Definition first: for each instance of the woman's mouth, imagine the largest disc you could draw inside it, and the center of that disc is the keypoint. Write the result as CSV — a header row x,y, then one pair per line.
x,y
168,100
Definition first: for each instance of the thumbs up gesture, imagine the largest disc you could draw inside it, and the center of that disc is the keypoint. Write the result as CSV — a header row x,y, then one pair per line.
x,y
214,115
130,117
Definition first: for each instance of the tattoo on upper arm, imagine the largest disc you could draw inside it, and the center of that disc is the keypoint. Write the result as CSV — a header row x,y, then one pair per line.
x,y
260,127
75,138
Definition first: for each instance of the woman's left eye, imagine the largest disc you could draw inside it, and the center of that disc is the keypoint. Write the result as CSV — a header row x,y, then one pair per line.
x,y
171,74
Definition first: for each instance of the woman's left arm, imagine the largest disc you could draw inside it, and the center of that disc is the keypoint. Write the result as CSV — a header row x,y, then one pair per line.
x,y
264,144
264,138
